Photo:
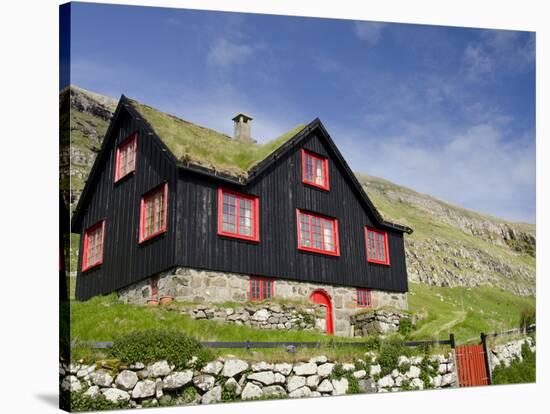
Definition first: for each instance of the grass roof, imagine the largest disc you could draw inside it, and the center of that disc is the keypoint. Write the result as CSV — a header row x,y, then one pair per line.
x,y
197,145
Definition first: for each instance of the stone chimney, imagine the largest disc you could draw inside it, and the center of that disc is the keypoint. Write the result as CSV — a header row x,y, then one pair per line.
x,y
242,128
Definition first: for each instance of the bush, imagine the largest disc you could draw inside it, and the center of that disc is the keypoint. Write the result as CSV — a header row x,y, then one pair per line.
x,y
519,371
527,317
78,401
156,344
405,327
390,351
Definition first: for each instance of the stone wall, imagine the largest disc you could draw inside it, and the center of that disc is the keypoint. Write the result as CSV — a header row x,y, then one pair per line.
x,y
202,286
226,379
376,322
262,315
506,353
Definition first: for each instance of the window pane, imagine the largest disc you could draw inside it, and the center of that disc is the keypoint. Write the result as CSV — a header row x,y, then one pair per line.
x,y
380,247
319,172
371,250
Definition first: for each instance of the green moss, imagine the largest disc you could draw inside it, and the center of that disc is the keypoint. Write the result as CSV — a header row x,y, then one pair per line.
x,y
194,144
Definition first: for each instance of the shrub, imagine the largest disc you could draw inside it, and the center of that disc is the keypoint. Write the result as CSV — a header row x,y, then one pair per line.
x,y
337,372
518,371
390,351
156,344
353,385
405,327
527,317
78,401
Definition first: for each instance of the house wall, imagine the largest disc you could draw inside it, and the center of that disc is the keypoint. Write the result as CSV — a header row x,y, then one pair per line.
x,y
125,260
281,192
204,286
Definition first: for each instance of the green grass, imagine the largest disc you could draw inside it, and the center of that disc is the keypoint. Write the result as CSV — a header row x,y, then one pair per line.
x,y
208,148
466,312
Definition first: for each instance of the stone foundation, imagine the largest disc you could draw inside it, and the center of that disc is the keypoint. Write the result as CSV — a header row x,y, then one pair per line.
x,y
203,286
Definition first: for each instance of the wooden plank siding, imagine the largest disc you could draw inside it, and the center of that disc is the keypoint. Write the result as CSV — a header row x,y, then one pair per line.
x,y
281,191
125,261
192,239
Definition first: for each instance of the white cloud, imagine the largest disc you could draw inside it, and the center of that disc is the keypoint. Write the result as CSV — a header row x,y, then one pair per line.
x,y
225,52
370,32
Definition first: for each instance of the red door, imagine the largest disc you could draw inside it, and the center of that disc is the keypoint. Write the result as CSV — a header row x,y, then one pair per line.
x,y
322,298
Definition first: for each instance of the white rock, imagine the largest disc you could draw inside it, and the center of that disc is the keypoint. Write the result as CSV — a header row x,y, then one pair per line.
x,y
417,383
437,381
450,367
375,370
212,396
321,359
447,379
115,395
261,316
399,381
144,389
313,381
340,386
395,373
300,393
325,370
283,368
402,360
73,368
204,382
360,374
92,392
262,366
71,383
159,369
266,377
348,367
274,391
82,372
177,379
233,367
137,366
308,368
232,385
294,382
413,372
417,360
325,386
442,368
126,380
386,381
159,393
213,367
316,394
101,378
279,378
251,391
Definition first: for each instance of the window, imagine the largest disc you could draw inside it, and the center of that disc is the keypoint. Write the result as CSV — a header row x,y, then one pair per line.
x,y
314,170
317,233
364,297
237,215
377,246
153,213
93,246
126,157
260,288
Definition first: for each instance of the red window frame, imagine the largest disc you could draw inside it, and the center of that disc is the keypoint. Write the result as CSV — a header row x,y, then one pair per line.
x,y
364,298
128,142
144,199
85,265
255,236
260,285
336,251
315,157
373,257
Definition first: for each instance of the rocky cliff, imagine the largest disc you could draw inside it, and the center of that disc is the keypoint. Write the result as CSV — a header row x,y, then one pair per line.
x,y
450,246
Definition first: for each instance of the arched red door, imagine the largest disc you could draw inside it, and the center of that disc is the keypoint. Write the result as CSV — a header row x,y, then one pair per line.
x,y
321,297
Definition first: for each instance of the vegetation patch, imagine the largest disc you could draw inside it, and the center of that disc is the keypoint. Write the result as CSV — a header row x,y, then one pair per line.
x,y
519,371
153,345
79,402
390,352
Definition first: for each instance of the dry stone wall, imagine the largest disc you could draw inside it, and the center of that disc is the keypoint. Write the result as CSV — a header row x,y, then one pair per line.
x,y
202,286
504,354
376,322
228,379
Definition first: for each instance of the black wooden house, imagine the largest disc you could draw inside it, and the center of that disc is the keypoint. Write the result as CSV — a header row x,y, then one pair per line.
x,y
166,194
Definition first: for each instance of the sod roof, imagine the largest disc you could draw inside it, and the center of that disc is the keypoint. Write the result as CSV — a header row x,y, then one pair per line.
x,y
196,145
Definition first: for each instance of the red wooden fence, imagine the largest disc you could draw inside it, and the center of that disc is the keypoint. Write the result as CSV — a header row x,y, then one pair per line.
x,y
472,369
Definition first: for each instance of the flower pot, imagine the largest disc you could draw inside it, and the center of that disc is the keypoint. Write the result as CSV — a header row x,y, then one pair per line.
x,y
152,302
165,300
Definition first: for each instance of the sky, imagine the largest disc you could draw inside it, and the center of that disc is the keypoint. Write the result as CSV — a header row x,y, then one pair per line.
x,y
446,111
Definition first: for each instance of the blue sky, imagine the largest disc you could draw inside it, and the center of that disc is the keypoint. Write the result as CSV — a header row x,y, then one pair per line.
x,y
446,111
